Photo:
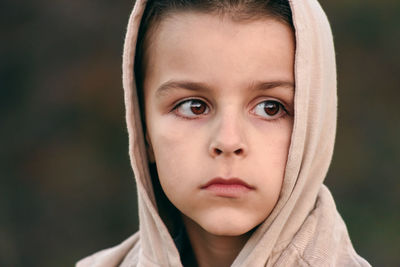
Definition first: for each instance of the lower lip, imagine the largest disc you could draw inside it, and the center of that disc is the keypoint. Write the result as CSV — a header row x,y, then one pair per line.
x,y
228,190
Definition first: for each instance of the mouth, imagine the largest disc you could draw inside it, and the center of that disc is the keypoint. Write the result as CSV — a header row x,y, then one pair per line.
x,y
228,188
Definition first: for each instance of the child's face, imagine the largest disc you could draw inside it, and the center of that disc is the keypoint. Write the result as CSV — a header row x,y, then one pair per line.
x,y
219,103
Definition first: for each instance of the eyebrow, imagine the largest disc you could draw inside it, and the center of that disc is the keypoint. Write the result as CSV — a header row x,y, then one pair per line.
x,y
261,86
171,85
168,86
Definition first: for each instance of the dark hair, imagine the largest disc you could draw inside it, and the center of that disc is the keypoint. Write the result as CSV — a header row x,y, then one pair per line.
x,y
237,10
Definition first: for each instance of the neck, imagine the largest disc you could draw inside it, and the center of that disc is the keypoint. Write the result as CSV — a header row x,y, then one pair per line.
x,y
213,250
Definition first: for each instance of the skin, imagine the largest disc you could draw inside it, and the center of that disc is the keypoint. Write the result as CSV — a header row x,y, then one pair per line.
x,y
230,69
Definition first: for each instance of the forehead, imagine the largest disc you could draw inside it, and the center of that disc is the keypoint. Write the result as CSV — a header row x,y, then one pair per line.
x,y
215,49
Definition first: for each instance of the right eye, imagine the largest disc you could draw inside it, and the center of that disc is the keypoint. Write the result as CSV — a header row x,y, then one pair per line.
x,y
191,108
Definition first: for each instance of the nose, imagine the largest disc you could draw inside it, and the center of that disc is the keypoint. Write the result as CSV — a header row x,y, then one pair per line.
x,y
228,138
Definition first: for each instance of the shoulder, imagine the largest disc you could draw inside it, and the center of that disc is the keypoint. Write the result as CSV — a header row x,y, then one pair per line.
x,y
112,256
322,240
313,256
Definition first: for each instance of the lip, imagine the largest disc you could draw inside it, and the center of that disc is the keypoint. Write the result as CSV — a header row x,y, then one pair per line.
x,y
229,188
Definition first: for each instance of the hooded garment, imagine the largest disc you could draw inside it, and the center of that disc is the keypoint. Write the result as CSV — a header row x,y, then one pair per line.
x,y
304,228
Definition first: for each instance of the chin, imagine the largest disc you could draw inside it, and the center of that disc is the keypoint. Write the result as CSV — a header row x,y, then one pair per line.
x,y
228,232
228,226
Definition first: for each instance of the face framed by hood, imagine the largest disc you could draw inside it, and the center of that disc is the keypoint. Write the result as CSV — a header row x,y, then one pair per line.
x,y
243,122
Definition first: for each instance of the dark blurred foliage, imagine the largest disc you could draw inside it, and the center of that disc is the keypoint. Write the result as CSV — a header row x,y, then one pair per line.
x,y
66,185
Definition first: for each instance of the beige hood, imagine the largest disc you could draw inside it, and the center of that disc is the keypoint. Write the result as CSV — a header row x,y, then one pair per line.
x,y
304,229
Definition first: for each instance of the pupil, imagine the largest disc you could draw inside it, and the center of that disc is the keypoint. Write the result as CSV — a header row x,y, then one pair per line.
x,y
197,107
271,108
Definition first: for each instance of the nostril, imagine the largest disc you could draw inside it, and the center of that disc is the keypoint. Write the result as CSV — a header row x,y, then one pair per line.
x,y
239,151
229,152
217,151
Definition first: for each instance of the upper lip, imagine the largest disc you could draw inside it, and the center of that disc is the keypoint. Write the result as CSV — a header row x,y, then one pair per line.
x,y
227,181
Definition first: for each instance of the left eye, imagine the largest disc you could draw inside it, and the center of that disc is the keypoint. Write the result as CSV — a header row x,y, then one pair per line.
x,y
269,109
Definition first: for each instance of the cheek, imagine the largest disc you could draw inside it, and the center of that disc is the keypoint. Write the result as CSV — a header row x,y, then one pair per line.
x,y
271,155
177,153
280,149
273,141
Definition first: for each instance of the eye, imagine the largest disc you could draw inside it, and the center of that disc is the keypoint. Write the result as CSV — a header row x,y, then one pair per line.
x,y
191,108
269,109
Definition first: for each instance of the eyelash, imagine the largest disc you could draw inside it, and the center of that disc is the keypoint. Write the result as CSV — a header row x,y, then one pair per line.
x,y
281,108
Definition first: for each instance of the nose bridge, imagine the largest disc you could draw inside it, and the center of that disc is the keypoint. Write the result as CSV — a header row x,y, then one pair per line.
x,y
228,136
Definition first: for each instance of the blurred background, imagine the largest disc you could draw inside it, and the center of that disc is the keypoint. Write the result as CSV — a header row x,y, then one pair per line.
x,y
66,185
